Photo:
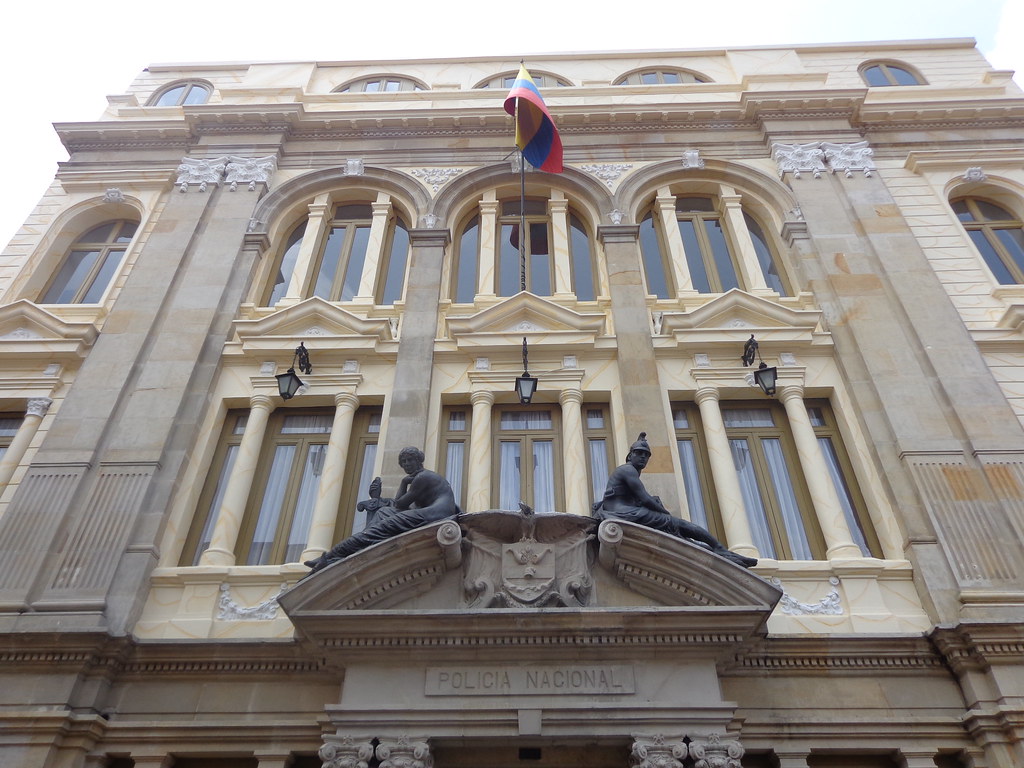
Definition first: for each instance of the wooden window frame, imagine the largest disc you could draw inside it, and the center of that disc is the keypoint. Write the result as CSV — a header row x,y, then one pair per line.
x,y
463,436
988,227
366,427
525,438
694,432
106,250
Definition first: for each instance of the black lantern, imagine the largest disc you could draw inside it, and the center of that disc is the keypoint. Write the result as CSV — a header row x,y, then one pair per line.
x,y
764,376
526,384
288,383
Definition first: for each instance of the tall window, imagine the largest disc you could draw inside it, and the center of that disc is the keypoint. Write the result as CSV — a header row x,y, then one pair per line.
x,y
545,247
90,265
9,425
339,269
885,74
285,265
700,496
183,94
359,472
598,436
998,236
527,459
455,445
709,249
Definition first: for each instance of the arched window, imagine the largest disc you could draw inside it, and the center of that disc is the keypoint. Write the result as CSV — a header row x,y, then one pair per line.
x,y
187,93
382,84
661,76
997,234
506,79
701,243
556,243
362,254
90,265
882,73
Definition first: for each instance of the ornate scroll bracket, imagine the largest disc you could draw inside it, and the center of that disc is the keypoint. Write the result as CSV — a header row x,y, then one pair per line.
x,y
848,158
830,605
798,158
975,174
229,610
692,159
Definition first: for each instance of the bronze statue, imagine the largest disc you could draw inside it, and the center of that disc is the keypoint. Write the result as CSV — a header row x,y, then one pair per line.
x,y
625,498
423,497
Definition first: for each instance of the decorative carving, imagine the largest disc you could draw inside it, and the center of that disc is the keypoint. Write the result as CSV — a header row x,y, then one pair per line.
x,y
787,359
526,326
657,752
113,195
616,216
692,159
229,610
855,156
436,177
702,360
354,167
53,369
430,220
249,170
519,559
830,605
20,333
658,318
314,330
796,158
253,225
350,366
482,364
975,173
609,173
201,172
348,753
404,753
38,406
712,752
570,361
393,325
796,214
267,368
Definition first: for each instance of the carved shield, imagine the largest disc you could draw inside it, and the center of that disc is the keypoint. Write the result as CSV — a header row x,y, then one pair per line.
x,y
527,571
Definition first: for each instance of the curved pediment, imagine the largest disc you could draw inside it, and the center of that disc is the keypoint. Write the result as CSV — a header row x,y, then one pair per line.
x,y
30,331
542,321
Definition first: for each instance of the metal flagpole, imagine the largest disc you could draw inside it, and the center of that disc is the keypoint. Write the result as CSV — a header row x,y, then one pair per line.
x,y
522,203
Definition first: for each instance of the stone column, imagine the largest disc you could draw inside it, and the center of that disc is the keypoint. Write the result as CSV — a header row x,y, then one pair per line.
x,y
321,211
374,249
346,752
488,247
558,210
34,412
658,751
574,452
665,203
236,495
478,494
723,470
735,227
404,752
713,750
325,512
827,507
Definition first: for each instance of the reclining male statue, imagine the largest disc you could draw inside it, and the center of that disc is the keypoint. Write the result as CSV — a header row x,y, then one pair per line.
x,y
625,498
423,497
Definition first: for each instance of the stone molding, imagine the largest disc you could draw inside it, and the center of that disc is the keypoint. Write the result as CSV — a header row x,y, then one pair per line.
x,y
706,751
830,605
657,752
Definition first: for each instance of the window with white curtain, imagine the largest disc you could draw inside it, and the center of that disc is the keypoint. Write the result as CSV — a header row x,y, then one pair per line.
x,y
527,459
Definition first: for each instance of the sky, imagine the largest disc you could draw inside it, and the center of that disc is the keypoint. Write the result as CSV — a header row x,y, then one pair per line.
x,y
60,59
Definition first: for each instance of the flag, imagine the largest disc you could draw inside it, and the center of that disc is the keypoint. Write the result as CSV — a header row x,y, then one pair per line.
x,y
536,134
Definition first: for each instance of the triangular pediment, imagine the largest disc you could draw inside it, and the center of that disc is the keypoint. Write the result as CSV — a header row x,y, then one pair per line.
x,y
30,331
316,322
542,321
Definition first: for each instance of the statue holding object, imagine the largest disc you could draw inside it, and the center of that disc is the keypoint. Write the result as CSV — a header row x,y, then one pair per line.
x,y
423,497
625,498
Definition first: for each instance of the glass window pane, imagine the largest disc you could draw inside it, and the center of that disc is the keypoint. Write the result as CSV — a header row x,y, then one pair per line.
x,y
284,272
543,476
990,212
654,267
240,423
127,231
757,516
598,467
769,268
649,78
372,86
695,205
329,263
694,257
991,257
508,471
270,508
353,212
595,418
540,260
196,95
359,521
218,496
1013,242
526,420
747,418
509,279
392,86
374,425
875,76
306,423
680,419
69,280
395,281
902,76
816,416
785,496
170,97
669,77
469,247
102,280
104,233
691,481
835,471
356,259
962,211
456,421
9,426
309,486
454,459
582,270
720,251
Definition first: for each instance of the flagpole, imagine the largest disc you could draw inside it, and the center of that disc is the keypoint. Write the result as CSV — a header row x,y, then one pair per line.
x,y
522,203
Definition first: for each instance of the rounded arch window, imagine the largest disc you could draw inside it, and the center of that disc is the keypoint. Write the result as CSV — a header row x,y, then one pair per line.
x,y
997,234
382,84
542,79
661,76
90,265
552,238
182,94
883,73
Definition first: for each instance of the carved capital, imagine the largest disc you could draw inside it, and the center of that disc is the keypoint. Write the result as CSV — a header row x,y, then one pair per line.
x,y
855,156
657,752
249,170
200,172
346,400
347,753
261,401
38,406
714,752
404,753
796,158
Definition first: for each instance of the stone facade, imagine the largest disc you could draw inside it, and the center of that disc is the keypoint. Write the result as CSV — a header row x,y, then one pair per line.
x,y
157,495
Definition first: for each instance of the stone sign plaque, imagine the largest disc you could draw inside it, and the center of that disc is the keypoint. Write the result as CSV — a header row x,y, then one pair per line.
x,y
590,680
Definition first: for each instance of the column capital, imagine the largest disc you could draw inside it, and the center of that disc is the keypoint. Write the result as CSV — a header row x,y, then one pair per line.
x,y
346,400
707,393
403,752
659,751
262,401
482,397
381,208
347,752
558,206
788,392
488,206
619,233
430,237
570,395
38,406
716,751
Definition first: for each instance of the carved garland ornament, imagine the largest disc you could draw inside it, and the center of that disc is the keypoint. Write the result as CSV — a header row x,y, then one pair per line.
x,y
830,605
436,177
609,173
229,610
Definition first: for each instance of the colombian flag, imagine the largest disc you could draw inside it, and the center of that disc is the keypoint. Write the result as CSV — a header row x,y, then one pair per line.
x,y
536,134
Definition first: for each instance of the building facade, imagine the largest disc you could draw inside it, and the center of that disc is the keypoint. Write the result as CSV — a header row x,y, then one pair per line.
x,y
857,209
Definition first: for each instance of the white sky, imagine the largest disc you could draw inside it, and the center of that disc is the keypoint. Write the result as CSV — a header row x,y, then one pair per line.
x,y
60,59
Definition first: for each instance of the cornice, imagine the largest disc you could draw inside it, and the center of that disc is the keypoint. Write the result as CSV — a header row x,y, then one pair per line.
x,y
836,654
